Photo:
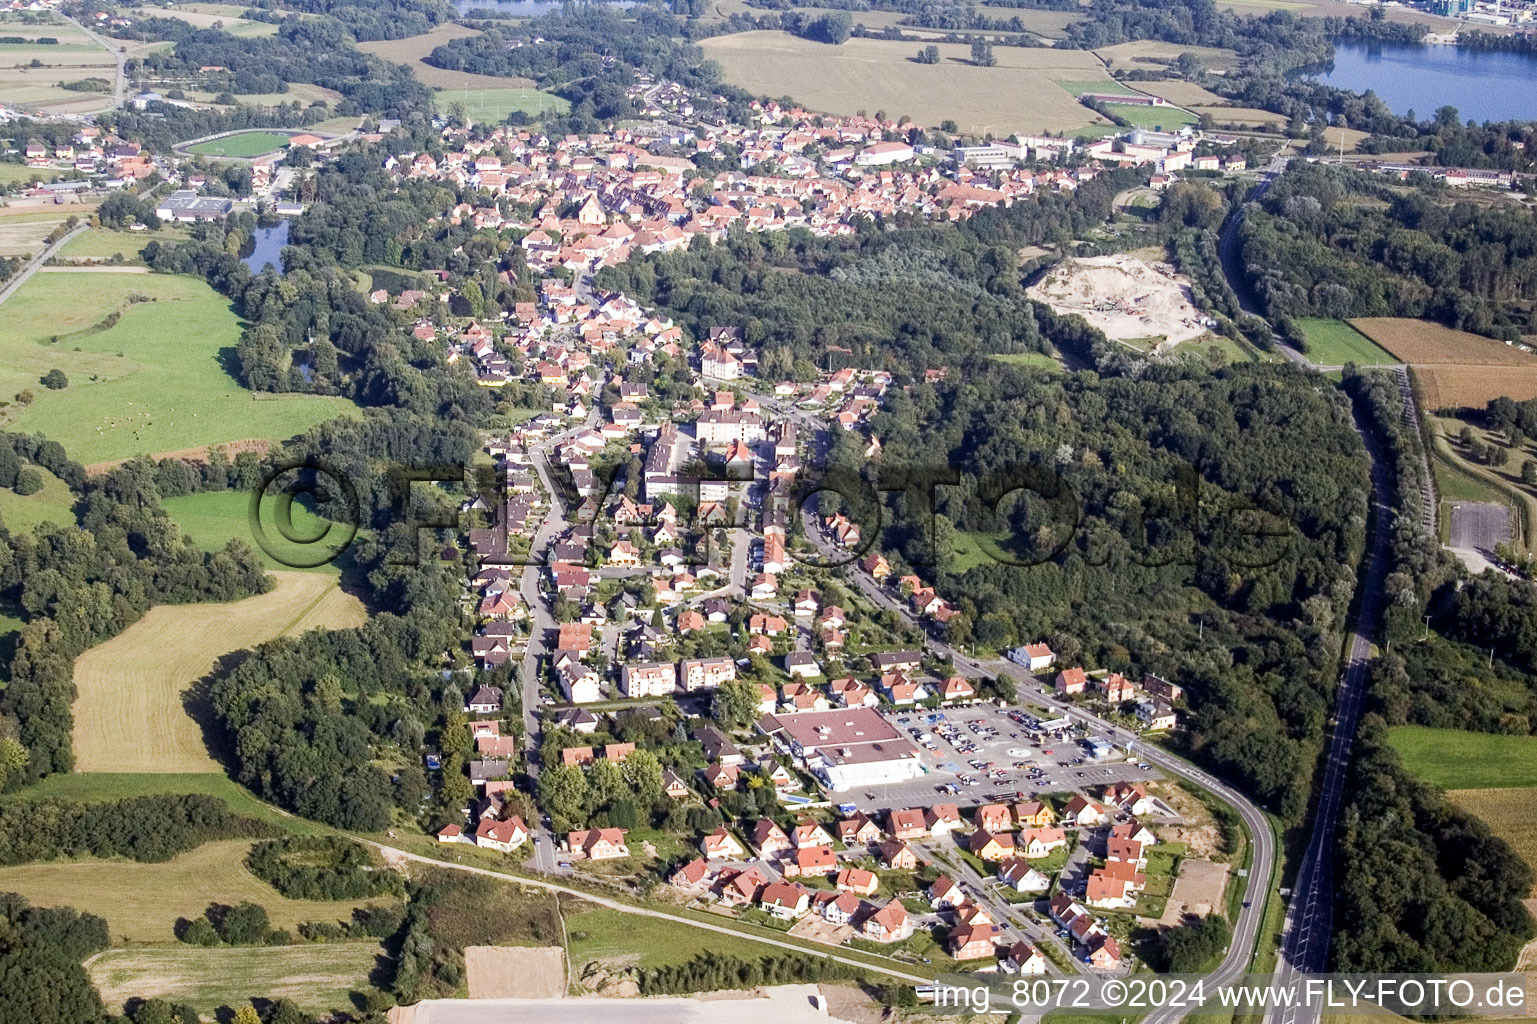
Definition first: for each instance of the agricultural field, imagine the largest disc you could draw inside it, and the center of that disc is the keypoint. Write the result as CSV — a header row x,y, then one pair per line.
x,y
1510,813
141,902
1335,343
104,243
73,57
411,51
21,174
234,24
1455,369
493,105
1185,94
242,144
1152,53
24,233
53,504
133,712
624,940
214,518
1454,759
1019,94
146,357
318,979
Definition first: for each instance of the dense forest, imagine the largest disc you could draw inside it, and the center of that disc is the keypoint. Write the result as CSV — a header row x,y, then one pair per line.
x,y
41,949
918,295
1326,241
145,828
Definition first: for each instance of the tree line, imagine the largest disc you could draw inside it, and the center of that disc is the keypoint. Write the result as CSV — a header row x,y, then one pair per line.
x,y
150,829
322,868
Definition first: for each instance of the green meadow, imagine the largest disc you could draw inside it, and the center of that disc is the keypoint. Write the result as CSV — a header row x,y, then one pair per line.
x,y
148,357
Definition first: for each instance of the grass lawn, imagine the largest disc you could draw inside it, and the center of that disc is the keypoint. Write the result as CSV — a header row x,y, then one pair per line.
x,y
493,105
1335,343
243,144
104,243
1039,360
213,518
317,978
155,380
12,174
631,940
53,504
1454,759
132,712
92,786
1151,117
141,902
1097,85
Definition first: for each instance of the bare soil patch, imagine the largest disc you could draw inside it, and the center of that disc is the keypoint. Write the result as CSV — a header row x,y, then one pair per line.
x,y
1125,297
515,972
819,930
1198,889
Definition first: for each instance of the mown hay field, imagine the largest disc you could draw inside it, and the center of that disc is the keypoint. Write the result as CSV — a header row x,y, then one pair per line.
x,y
1510,813
130,714
316,978
142,902
411,50
1153,53
1020,94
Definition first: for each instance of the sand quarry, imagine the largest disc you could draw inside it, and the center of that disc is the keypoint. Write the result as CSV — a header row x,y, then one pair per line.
x,y
1127,299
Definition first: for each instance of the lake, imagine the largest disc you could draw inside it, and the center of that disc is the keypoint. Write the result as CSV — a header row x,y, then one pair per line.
x,y
1484,86
267,248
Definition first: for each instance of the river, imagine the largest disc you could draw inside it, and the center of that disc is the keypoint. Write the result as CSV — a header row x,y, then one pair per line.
x,y
1482,85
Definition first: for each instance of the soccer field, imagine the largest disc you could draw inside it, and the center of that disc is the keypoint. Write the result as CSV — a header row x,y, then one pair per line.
x,y
148,357
244,144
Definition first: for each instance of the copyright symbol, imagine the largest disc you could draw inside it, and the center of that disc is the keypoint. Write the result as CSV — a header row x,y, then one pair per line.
x,y
1113,993
333,507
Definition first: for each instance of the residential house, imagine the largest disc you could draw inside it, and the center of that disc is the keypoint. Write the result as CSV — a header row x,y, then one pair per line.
x,y
838,908
810,833
991,846
858,831
907,823
811,860
890,923
721,845
785,900
1082,811
1033,814
1071,681
942,819
691,876
857,881
505,836
993,818
898,856
1040,842
1023,958
944,892
598,844
971,941
769,839
1021,876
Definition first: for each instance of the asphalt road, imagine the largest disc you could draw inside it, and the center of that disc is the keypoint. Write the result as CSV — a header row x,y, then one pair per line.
x,y
120,84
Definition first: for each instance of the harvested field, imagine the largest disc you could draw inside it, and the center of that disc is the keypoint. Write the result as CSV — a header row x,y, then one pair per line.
x,y
1455,369
130,714
411,50
317,979
1020,94
515,972
1127,299
1152,53
23,234
1510,813
1419,342
141,902
1185,94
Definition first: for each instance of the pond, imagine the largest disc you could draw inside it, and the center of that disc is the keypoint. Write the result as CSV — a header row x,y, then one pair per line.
x,y
266,249
1482,85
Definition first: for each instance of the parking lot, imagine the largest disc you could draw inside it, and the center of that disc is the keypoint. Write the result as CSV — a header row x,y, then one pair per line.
x,y
984,754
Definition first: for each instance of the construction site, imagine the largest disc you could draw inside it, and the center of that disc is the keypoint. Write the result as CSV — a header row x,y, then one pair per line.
x,y
1128,299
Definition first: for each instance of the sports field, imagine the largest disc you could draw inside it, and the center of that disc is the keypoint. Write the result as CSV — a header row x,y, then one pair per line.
x,y
317,979
1335,343
214,518
154,379
54,503
1453,759
1019,94
493,105
141,902
130,714
242,144
1510,813
1158,118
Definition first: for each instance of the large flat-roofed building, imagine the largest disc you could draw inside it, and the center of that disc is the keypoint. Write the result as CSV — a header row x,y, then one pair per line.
x,y
186,206
845,747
